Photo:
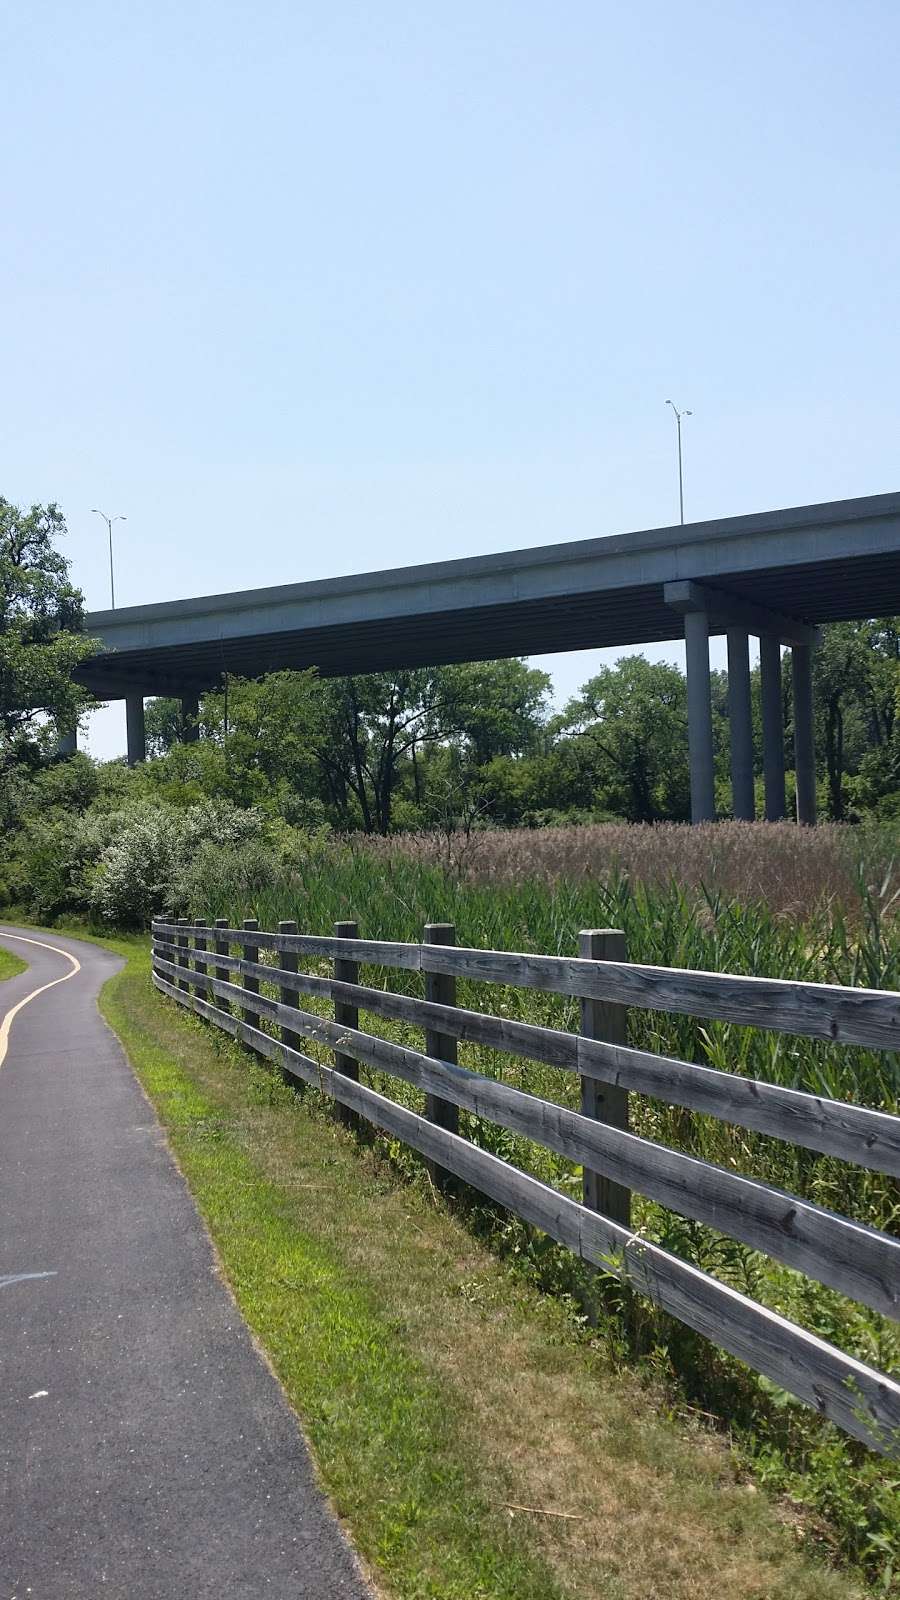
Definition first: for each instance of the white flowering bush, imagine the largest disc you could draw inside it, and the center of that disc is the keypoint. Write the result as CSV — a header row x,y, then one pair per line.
x,y
144,867
129,863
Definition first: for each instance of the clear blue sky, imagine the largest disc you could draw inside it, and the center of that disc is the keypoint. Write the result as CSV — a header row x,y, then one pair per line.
x,y
308,288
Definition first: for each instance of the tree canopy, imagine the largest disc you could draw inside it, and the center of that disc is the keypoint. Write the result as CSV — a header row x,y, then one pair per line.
x,y
481,742
856,685
633,721
42,635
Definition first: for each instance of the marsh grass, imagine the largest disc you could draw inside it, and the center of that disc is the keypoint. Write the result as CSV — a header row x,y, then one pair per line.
x,y
792,870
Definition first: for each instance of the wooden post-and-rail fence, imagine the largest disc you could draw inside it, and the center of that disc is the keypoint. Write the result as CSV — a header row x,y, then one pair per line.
x,y
217,972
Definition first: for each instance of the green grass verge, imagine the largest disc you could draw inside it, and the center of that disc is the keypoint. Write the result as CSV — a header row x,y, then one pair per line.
x,y
10,964
386,1444
440,1393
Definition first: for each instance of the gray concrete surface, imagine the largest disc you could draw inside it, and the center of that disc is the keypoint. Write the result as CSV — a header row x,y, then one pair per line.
x,y
814,563
146,1451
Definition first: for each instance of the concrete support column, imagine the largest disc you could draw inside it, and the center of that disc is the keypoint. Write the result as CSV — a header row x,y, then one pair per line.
x,y
700,741
772,726
740,719
804,743
135,731
190,718
68,740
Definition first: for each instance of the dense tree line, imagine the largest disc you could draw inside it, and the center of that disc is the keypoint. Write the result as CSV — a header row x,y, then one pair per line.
x,y
456,746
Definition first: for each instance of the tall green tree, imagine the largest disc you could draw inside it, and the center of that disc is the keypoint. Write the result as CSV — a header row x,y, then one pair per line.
x,y
632,719
42,637
259,746
502,707
373,726
162,725
856,680
839,671
270,741
379,727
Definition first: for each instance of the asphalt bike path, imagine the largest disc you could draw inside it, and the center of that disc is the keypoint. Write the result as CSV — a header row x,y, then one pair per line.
x,y
146,1450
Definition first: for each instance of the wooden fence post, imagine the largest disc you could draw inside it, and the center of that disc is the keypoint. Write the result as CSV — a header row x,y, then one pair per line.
x,y
200,966
604,1019
222,973
287,960
250,952
441,987
165,937
181,939
347,1016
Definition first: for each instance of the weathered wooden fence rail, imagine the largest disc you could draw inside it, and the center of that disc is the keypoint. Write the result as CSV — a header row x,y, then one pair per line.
x,y
194,964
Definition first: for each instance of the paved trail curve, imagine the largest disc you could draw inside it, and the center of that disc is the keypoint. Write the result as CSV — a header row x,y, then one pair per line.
x,y
146,1451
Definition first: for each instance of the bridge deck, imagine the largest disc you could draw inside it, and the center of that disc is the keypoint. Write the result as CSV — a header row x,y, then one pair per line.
x,y
820,563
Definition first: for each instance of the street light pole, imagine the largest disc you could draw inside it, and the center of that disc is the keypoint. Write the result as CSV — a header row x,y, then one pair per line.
x,y
678,417
109,522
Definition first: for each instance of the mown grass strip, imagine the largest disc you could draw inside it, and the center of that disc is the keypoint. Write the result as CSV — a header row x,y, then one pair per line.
x,y
10,964
440,1394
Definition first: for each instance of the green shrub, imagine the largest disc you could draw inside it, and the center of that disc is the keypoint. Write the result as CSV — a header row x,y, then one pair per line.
x,y
146,866
126,865
52,873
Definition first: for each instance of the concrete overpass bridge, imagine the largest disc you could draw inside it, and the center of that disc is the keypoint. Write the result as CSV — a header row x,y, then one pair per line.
x,y
775,575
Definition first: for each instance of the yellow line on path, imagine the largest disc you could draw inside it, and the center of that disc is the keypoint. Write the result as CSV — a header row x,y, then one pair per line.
x,y
7,1022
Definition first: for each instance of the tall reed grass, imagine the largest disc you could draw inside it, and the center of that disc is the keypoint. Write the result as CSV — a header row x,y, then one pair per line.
x,y
793,870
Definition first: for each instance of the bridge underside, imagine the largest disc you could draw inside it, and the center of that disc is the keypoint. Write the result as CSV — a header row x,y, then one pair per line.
x,y
863,587
774,575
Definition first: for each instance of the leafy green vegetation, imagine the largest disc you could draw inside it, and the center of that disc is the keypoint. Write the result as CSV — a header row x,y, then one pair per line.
x,y
392,1329
41,636
461,746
